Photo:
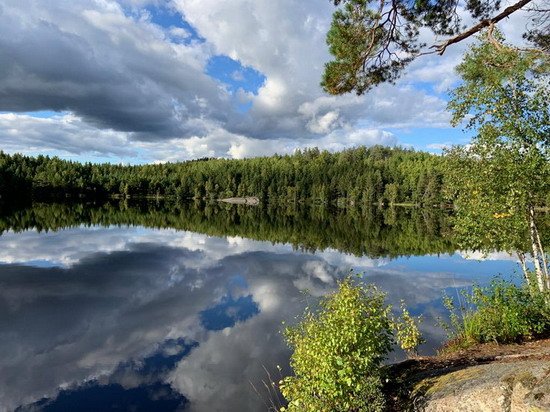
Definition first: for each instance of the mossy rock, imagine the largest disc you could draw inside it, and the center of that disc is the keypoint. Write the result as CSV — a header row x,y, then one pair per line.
x,y
521,386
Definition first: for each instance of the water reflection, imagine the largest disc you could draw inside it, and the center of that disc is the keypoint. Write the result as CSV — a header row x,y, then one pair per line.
x,y
134,318
360,231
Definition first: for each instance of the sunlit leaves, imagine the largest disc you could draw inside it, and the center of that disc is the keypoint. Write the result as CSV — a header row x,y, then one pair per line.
x,y
498,180
338,351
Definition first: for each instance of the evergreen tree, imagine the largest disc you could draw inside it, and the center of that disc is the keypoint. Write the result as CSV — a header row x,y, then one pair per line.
x,y
373,41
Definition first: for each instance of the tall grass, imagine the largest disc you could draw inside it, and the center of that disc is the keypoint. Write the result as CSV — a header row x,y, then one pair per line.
x,y
501,312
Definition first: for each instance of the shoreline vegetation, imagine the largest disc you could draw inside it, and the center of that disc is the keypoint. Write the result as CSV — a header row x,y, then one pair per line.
x,y
359,176
360,231
340,346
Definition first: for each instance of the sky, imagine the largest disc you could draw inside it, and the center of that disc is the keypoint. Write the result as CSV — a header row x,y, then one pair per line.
x,y
144,81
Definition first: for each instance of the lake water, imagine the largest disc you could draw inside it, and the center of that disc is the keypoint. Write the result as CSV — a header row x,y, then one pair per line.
x,y
179,308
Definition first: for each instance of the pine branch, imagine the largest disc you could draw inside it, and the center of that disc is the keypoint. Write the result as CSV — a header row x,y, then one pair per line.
x,y
440,48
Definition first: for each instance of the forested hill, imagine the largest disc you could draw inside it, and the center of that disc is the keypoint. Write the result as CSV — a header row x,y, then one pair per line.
x,y
362,175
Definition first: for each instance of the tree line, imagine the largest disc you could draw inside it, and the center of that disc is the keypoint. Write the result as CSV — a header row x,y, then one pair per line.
x,y
361,231
375,175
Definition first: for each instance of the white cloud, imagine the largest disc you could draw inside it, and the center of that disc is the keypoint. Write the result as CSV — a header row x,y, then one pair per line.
x,y
63,133
475,255
324,123
113,70
179,33
220,143
272,96
132,82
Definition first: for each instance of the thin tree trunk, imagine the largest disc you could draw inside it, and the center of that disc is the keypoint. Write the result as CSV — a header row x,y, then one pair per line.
x,y
543,256
523,263
536,255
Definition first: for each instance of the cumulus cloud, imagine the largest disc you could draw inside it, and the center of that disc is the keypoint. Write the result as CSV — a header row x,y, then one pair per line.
x,y
114,71
69,135
337,140
117,75
64,133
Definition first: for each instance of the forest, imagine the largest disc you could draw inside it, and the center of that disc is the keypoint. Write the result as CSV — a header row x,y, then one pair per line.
x,y
375,175
361,231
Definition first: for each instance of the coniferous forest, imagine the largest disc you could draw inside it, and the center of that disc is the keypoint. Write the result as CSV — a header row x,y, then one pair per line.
x,y
370,231
355,176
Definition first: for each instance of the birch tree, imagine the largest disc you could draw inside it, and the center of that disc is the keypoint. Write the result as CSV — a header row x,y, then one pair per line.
x,y
498,181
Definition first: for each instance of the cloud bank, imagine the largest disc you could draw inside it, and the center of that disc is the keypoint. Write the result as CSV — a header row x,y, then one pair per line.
x,y
172,80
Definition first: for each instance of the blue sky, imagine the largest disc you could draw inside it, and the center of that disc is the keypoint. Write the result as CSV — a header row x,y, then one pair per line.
x,y
138,81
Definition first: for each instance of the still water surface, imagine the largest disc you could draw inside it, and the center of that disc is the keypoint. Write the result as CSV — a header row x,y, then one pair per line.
x,y
149,308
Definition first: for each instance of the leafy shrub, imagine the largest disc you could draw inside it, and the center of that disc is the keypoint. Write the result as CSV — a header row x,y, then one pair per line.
x,y
338,351
501,312
407,332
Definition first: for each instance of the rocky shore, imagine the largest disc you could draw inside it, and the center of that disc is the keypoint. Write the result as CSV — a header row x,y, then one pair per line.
x,y
495,378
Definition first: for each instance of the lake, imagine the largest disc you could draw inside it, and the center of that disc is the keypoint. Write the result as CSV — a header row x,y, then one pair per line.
x,y
155,306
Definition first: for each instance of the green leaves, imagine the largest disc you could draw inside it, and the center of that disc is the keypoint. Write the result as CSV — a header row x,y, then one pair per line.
x,y
407,331
338,351
504,173
501,312
357,37
503,87
373,41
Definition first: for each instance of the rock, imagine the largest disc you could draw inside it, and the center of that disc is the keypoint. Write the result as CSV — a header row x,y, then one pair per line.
x,y
249,200
521,386
493,378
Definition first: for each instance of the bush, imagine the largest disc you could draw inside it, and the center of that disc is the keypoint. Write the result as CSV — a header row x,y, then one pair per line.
x,y
338,351
501,312
407,331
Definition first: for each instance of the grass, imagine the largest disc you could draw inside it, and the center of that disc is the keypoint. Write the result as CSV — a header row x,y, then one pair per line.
x,y
501,313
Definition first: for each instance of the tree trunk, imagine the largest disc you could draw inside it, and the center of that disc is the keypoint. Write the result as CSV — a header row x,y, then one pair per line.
x,y
526,272
538,254
543,257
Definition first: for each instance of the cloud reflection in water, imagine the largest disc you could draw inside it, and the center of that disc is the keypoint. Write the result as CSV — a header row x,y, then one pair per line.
x,y
174,316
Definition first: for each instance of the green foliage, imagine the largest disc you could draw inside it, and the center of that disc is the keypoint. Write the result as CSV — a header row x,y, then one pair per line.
x,y
408,334
354,37
353,176
501,312
338,352
504,88
373,41
491,197
498,180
